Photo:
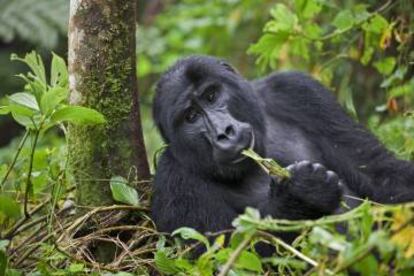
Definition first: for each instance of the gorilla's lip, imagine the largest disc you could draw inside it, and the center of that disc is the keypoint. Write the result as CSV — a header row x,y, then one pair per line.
x,y
251,146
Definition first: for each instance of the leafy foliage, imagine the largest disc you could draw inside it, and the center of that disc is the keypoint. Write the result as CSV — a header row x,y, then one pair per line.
x,y
37,21
121,192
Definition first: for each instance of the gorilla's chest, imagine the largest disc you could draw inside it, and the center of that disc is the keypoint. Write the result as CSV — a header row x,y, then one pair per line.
x,y
288,144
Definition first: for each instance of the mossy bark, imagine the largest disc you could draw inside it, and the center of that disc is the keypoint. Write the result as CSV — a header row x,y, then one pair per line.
x,y
102,75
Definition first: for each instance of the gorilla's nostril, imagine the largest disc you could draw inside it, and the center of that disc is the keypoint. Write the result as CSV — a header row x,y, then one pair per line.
x,y
229,131
221,137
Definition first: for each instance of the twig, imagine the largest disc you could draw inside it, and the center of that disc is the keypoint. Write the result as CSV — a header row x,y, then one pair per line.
x,y
13,163
33,249
293,250
354,260
235,255
12,231
94,211
88,264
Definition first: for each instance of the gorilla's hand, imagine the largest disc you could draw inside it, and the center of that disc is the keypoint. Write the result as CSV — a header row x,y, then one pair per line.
x,y
315,186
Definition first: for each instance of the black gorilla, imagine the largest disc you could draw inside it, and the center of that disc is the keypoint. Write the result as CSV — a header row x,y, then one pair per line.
x,y
208,113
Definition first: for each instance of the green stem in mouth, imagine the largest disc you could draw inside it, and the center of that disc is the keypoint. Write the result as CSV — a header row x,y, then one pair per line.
x,y
269,165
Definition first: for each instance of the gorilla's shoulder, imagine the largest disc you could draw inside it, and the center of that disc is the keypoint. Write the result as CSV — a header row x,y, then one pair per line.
x,y
292,83
287,80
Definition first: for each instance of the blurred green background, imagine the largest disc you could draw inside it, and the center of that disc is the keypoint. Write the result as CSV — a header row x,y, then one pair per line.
x,y
367,64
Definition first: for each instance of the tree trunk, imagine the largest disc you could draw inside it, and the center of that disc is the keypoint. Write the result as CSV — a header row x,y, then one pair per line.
x,y
102,75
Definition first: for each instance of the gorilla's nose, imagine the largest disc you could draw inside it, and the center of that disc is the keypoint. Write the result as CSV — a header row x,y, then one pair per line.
x,y
227,134
229,139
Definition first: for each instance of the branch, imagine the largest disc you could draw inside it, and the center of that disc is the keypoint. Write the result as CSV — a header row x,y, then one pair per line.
x,y
235,255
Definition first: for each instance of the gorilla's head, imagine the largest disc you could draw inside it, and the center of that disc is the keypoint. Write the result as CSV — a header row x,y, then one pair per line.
x,y
208,114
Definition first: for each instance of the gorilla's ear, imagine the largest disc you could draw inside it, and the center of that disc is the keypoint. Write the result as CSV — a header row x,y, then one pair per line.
x,y
228,67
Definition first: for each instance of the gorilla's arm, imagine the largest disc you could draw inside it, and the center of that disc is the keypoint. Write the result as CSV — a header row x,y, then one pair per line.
x,y
300,197
367,168
181,199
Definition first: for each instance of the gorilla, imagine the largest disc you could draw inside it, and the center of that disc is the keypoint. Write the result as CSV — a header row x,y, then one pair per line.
x,y
208,114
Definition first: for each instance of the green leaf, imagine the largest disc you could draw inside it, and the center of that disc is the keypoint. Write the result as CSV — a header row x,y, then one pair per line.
x,y
312,30
58,72
52,98
122,192
308,8
165,264
246,260
3,245
343,20
377,24
191,234
360,12
76,267
284,19
34,61
246,222
9,207
385,66
78,115
3,263
367,266
401,90
4,110
268,48
25,99
368,49
322,236
249,261
299,47
25,116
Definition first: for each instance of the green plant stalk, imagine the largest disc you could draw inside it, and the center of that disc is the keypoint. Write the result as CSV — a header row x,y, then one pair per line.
x,y
270,166
293,250
19,149
29,178
233,257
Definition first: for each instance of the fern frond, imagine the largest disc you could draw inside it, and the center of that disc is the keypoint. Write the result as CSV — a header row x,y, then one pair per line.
x,y
37,21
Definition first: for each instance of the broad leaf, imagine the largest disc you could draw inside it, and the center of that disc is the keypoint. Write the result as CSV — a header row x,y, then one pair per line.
x,y
122,192
385,66
285,20
25,99
78,115
58,72
25,116
4,110
377,24
9,207
246,260
191,234
165,264
52,98
343,20
308,8
34,61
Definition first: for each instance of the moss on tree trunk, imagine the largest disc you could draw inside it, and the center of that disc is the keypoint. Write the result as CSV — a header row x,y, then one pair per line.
x,y
102,75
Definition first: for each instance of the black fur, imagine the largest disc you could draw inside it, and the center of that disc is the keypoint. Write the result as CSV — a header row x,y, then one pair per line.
x,y
292,118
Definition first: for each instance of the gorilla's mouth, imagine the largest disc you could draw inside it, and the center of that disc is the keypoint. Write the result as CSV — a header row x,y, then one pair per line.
x,y
251,146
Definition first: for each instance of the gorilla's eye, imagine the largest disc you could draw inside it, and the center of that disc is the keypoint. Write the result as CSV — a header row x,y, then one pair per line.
x,y
191,115
210,93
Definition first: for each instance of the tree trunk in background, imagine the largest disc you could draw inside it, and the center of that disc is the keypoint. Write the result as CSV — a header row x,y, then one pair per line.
x,y
102,75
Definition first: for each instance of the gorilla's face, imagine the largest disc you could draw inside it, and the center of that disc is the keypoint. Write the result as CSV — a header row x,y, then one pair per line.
x,y
208,115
